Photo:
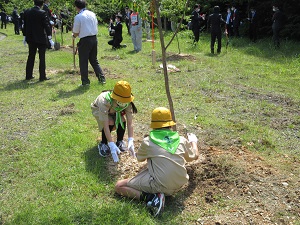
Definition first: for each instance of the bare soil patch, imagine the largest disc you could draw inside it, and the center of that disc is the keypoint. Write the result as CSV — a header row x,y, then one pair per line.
x,y
178,57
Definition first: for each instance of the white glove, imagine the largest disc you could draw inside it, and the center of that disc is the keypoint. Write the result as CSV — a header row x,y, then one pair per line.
x,y
192,137
51,22
51,43
24,41
131,146
114,150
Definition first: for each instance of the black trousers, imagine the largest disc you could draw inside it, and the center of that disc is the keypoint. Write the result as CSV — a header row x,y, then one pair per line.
x,y
196,32
87,49
17,27
128,26
33,47
216,35
236,31
253,32
120,133
115,42
3,24
276,36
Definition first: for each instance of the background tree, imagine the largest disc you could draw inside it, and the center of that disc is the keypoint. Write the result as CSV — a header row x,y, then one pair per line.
x,y
105,9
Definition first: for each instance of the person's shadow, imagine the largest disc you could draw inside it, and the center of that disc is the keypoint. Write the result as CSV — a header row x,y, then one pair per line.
x,y
77,91
97,165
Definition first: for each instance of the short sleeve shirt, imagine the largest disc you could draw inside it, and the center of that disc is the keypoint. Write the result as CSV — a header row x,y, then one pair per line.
x,y
102,108
85,24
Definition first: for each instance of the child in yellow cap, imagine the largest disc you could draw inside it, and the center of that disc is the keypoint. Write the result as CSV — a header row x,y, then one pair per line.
x,y
166,153
113,110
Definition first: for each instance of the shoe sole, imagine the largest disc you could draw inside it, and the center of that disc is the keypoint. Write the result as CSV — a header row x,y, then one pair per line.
x,y
161,205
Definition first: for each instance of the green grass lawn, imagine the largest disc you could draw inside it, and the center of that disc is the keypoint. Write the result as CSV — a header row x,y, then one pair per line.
x,y
51,172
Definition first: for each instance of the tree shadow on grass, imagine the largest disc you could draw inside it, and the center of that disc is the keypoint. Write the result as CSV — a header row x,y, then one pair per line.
x,y
26,84
264,48
20,84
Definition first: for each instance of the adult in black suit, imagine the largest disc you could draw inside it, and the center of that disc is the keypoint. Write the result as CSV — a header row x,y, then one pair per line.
x,y
253,24
196,18
214,22
3,16
48,12
15,19
117,38
278,23
127,18
46,8
37,31
235,21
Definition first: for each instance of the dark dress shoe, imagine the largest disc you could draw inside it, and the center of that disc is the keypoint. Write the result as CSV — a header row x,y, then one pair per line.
x,y
43,79
29,78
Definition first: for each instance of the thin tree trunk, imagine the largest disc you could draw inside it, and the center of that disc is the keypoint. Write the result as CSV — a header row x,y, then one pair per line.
x,y
178,44
164,60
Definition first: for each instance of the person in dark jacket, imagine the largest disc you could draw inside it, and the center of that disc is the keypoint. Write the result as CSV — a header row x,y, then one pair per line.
x,y
3,16
235,21
15,19
196,19
117,38
214,22
278,22
253,24
37,33
127,18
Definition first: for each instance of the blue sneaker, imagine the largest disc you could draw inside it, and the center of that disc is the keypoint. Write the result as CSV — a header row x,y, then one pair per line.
x,y
156,205
103,149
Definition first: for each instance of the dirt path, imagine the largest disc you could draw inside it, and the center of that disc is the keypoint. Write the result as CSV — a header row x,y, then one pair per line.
x,y
2,36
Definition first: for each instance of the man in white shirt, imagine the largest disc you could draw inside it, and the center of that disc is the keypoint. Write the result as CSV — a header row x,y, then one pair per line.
x,y
86,28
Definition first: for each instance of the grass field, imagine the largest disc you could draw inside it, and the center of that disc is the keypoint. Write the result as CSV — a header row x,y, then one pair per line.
x,y
51,172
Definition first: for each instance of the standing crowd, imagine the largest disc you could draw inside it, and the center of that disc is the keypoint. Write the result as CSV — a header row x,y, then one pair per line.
x,y
231,25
